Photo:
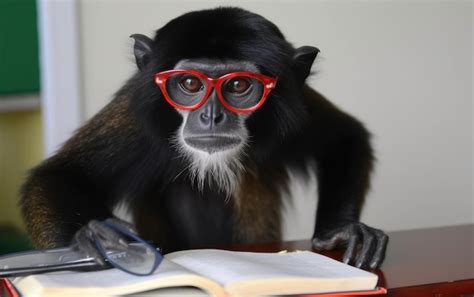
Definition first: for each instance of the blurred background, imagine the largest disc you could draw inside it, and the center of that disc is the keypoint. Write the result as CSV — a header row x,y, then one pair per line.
x,y
402,67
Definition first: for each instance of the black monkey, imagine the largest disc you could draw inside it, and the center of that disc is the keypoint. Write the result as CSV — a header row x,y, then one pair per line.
x,y
196,155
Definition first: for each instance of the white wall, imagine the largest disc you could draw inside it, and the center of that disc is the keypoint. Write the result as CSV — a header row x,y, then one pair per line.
x,y
404,68
59,65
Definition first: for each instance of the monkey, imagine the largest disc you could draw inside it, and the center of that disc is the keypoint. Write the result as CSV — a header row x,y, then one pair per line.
x,y
198,143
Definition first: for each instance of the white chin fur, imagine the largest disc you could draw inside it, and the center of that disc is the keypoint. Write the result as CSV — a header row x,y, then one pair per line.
x,y
223,168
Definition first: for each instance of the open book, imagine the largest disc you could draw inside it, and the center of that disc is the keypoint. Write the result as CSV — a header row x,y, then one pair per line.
x,y
216,272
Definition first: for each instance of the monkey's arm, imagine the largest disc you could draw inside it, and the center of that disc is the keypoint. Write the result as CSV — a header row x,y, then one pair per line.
x,y
345,160
76,185
57,201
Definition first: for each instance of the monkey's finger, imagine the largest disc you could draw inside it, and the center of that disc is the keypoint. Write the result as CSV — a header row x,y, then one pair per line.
x,y
379,254
330,243
81,236
83,243
321,245
100,230
108,237
368,245
350,253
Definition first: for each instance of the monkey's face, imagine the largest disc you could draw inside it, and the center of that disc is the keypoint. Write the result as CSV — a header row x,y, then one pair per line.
x,y
214,99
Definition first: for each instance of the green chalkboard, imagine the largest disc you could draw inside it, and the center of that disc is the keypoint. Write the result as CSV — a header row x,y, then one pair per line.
x,y
19,66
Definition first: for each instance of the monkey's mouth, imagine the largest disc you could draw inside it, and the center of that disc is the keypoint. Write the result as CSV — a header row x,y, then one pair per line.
x,y
212,143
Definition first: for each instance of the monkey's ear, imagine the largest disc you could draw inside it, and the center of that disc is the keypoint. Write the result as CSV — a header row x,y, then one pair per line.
x,y
304,58
142,49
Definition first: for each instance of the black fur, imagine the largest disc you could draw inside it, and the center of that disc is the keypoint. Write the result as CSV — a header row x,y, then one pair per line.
x,y
124,152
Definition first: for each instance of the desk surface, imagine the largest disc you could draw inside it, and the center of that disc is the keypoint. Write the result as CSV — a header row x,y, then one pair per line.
x,y
435,262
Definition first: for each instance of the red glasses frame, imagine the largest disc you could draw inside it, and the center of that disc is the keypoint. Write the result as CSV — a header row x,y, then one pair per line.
x,y
269,83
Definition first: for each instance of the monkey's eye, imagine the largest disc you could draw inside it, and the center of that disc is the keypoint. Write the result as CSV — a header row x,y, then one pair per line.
x,y
191,84
238,85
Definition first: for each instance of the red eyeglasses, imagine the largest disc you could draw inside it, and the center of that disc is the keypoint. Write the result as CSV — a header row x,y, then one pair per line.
x,y
237,91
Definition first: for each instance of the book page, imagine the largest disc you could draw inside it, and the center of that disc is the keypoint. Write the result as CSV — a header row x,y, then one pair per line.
x,y
103,278
110,282
275,270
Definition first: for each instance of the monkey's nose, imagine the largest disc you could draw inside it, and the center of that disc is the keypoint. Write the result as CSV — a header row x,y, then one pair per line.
x,y
219,118
204,117
210,119
212,116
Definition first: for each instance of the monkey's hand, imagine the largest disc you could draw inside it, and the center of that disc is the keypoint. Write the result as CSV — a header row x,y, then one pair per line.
x,y
365,246
85,238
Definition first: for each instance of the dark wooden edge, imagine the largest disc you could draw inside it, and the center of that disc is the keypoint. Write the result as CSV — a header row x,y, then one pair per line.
x,y
462,288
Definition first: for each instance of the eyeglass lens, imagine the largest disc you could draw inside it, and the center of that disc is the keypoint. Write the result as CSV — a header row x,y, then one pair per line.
x,y
134,256
239,92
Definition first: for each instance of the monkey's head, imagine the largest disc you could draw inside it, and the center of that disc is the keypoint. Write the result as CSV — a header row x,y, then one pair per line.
x,y
219,85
